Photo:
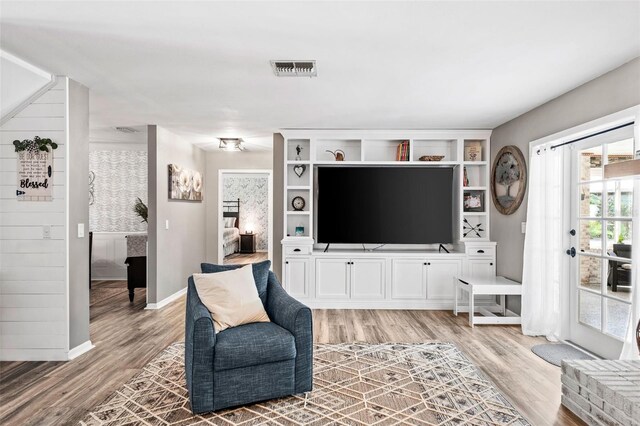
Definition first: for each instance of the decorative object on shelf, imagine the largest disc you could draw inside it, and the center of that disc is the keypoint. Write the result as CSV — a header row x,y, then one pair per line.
x,y
465,177
469,229
298,151
184,184
472,151
298,203
141,210
431,158
508,179
299,169
35,169
473,201
338,154
402,152
92,179
299,231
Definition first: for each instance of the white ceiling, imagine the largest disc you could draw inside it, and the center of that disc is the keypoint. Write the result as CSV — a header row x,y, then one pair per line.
x,y
202,68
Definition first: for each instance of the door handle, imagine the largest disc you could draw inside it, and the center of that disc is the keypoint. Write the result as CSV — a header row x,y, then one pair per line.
x,y
572,252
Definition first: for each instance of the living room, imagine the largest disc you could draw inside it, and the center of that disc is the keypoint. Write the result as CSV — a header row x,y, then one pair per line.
x,y
436,200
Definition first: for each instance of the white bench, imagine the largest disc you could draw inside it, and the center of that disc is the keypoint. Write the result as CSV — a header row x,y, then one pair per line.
x,y
498,286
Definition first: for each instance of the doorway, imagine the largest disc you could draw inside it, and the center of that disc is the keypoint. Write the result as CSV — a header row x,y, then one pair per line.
x,y
601,233
245,216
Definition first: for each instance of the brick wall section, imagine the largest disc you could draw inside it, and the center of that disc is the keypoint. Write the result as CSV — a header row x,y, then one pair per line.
x,y
602,392
589,266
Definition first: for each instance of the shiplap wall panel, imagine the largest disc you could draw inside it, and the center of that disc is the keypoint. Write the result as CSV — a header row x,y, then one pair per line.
x,y
33,276
9,192
35,287
58,232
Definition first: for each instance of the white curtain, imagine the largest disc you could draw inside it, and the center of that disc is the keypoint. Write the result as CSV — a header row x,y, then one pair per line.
x,y
630,349
543,245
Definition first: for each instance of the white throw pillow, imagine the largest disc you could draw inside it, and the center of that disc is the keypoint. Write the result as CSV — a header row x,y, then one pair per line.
x,y
231,297
230,222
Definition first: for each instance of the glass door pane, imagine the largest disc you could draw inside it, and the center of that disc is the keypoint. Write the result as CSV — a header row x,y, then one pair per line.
x,y
602,215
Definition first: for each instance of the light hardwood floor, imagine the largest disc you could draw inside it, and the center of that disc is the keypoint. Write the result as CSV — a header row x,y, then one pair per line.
x,y
244,258
127,337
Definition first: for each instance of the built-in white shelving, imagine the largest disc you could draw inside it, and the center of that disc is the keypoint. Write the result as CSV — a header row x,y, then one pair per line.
x,y
466,151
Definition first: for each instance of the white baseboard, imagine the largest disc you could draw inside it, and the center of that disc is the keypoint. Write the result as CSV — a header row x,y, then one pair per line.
x,y
80,349
164,302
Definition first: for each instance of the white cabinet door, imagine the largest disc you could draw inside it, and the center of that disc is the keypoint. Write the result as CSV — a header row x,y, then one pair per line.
x,y
482,268
296,273
367,278
440,275
408,279
332,280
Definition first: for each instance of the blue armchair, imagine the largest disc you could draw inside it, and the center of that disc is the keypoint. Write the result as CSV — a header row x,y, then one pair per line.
x,y
252,362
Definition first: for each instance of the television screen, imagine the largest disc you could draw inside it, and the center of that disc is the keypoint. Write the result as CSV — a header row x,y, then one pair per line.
x,y
385,205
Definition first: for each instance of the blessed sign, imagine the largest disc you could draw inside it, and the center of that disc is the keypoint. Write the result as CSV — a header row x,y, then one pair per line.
x,y
34,175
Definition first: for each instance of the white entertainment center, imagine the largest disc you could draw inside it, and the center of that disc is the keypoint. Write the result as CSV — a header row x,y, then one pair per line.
x,y
391,276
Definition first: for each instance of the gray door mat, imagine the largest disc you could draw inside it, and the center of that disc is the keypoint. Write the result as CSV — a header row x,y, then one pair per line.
x,y
554,353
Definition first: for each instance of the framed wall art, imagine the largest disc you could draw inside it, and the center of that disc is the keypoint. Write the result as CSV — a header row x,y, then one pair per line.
x,y
508,179
184,184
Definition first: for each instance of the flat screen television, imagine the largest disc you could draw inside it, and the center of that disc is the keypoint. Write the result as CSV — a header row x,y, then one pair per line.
x,y
384,205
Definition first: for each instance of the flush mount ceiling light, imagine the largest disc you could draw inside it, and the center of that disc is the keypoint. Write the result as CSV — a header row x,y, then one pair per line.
x,y
231,144
291,68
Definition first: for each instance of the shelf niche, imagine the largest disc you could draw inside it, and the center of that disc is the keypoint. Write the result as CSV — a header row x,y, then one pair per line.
x,y
447,148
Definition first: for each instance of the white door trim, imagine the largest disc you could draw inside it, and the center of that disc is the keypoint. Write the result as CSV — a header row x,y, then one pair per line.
x,y
269,174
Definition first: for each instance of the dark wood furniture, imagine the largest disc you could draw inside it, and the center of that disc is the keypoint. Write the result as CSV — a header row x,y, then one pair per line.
x,y
136,262
247,243
619,274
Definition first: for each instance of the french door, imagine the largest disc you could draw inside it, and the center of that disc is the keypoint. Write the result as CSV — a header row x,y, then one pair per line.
x,y
600,235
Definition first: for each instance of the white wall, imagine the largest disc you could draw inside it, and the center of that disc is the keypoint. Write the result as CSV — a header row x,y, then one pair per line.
x,y
34,272
174,253
78,213
217,160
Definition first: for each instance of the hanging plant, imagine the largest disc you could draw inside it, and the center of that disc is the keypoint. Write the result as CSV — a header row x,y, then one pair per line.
x,y
37,144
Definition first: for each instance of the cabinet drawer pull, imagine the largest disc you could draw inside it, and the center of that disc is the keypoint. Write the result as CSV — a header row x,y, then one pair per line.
x,y
480,251
491,264
286,262
428,263
425,263
296,249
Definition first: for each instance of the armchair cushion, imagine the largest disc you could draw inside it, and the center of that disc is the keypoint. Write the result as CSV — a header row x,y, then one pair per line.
x,y
231,297
253,344
260,274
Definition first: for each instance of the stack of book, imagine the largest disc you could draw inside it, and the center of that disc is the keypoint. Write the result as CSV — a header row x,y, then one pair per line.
x,y
402,153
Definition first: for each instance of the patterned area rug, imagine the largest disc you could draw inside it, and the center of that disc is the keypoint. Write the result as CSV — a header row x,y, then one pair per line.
x,y
354,384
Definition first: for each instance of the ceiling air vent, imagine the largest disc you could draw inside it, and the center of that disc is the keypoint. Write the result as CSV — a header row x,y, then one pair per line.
x,y
127,130
294,68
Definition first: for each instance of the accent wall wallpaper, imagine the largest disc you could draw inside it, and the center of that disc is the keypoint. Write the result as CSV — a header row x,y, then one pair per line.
x,y
253,192
119,177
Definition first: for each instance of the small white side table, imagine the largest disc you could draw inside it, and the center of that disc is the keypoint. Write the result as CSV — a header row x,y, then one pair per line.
x,y
499,286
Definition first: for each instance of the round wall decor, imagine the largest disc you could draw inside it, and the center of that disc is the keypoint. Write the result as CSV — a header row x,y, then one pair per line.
x,y
508,179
